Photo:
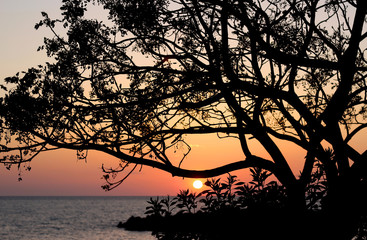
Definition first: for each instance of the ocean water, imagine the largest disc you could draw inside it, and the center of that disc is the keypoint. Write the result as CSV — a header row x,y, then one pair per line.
x,y
58,218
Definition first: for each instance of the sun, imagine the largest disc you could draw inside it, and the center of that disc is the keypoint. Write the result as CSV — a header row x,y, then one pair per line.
x,y
198,184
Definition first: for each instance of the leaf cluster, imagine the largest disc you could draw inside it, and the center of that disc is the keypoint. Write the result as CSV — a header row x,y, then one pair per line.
x,y
163,207
221,196
259,193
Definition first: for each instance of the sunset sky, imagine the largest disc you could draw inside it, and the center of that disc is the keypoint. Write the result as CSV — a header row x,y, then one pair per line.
x,y
59,172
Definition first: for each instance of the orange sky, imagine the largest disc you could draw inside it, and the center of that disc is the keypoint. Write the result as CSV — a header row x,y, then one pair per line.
x,y
59,172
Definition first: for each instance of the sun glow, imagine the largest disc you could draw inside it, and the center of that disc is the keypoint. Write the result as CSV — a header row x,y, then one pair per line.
x,y
198,184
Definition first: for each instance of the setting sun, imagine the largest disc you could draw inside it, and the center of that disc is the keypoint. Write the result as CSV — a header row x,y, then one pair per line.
x,y
198,184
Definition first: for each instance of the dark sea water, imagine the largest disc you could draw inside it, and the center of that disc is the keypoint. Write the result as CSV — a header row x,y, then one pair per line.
x,y
92,218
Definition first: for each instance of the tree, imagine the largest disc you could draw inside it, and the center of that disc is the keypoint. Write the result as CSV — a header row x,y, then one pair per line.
x,y
157,71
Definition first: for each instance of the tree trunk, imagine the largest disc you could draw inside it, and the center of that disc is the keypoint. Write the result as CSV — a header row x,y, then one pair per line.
x,y
296,198
343,207
341,212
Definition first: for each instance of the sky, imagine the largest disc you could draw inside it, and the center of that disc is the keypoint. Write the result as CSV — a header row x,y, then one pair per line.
x,y
59,173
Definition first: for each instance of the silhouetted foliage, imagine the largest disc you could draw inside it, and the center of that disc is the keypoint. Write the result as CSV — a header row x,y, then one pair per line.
x,y
316,190
232,208
161,207
220,195
280,73
258,193
155,208
187,201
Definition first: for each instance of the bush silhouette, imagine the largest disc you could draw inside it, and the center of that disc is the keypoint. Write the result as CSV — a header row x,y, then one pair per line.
x,y
229,208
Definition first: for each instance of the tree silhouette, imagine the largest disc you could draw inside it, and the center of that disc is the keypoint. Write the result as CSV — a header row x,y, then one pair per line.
x,y
134,86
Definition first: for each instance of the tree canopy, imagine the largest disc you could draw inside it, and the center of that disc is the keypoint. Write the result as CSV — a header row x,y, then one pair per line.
x,y
136,84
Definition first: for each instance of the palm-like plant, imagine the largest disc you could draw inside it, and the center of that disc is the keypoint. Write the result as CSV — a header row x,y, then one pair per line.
x,y
187,201
155,207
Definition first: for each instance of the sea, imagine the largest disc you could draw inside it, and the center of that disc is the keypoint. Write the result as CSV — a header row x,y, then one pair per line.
x,y
69,218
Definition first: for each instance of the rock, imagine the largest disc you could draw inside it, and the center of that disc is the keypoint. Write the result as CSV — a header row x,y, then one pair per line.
x,y
120,225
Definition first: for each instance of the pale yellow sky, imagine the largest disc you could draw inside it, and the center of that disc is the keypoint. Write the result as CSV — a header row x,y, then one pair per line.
x,y
19,40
